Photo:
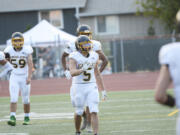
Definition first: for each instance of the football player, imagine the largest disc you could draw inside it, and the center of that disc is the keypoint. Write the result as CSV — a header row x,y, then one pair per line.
x,y
169,57
6,65
83,65
85,30
20,78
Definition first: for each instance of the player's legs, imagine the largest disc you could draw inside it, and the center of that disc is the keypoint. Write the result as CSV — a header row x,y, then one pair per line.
x,y
77,121
86,119
14,93
93,101
79,111
95,122
78,101
25,92
88,115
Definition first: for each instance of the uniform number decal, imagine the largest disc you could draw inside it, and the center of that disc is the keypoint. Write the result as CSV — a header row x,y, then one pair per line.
x,y
88,75
21,62
13,63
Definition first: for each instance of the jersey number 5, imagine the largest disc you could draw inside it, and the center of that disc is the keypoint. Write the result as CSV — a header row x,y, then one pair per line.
x,y
88,75
21,62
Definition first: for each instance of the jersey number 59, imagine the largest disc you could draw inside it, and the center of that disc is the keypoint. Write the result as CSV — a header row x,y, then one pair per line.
x,y
21,63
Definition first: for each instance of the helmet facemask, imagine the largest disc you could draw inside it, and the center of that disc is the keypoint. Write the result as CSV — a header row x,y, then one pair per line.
x,y
85,47
17,40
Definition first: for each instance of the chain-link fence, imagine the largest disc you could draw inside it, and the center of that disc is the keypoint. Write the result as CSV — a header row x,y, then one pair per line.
x,y
132,55
47,62
138,54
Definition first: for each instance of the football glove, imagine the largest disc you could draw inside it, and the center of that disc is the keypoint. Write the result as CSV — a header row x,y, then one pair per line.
x,y
104,95
67,74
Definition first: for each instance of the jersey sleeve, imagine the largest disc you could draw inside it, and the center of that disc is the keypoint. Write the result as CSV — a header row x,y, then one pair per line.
x,y
7,49
96,46
29,50
164,55
73,56
69,48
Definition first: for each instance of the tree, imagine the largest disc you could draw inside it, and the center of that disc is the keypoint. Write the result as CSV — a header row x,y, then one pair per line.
x,y
165,10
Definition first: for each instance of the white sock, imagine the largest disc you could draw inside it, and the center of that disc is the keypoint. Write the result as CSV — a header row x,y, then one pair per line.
x,y
13,114
26,114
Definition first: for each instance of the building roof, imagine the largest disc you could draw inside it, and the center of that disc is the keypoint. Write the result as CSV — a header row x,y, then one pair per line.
x,y
34,5
104,7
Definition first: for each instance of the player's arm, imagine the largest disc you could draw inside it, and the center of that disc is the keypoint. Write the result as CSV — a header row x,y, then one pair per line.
x,y
104,60
63,60
7,68
72,67
99,81
30,68
162,84
66,70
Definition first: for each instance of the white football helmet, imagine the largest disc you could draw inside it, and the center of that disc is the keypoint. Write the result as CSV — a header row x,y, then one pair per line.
x,y
2,56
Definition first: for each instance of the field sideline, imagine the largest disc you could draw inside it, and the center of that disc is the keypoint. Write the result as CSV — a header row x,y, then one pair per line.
x,y
124,113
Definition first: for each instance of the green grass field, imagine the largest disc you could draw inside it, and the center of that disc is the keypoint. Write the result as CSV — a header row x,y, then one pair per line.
x,y
124,113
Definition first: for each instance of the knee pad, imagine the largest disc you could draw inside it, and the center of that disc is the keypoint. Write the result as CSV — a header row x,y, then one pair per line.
x,y
25,99
14,99
79,110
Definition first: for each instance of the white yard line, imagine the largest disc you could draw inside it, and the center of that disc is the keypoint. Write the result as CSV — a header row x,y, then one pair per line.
x,y
14,134
129,100
108,101
143,130
139,121
114,107
42,116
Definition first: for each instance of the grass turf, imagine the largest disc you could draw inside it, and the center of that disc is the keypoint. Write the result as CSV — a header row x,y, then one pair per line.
x,y
124,113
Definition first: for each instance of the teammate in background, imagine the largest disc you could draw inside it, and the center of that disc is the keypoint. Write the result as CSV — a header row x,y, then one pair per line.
x,y
169,58
6,65
83,65
85,30
20,78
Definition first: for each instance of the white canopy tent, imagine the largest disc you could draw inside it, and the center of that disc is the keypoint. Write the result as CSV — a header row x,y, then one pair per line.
x,y
44,34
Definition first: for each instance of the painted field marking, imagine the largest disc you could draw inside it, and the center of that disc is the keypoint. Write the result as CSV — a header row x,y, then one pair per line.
x,y
69,102
130,131
14,134
174,112
140,121
42,116
101,107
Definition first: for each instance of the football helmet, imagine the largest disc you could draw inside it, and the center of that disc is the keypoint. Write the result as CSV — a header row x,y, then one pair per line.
x,y
84,30
2,56
83,44
17,40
